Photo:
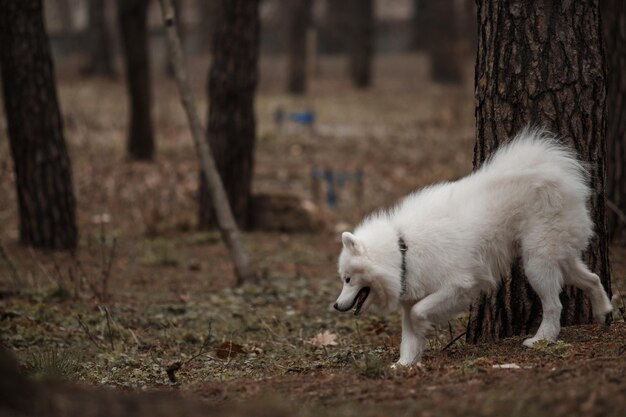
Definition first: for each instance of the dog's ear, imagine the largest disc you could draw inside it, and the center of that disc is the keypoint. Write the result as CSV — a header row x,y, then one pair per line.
x,y
351,243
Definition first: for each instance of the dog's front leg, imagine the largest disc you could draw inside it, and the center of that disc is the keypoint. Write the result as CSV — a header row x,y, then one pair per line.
x,y
418,319
412,344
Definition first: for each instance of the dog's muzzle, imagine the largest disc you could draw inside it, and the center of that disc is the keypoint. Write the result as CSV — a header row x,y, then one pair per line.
x,y
358,301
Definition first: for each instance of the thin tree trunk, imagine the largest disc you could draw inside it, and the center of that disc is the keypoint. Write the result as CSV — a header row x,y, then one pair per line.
x,y
420,30
362,42
99,42
42,166
444,43
169,69
225,220
541,62
614,28
336,28
232,125
133,25
299,22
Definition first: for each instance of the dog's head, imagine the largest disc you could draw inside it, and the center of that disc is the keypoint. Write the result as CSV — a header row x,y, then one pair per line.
x,y
366,283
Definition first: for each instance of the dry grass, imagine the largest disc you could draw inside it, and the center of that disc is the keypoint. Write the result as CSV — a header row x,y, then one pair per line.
x,y
167,302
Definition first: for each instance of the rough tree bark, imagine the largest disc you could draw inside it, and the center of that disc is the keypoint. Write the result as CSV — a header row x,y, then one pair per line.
x,y
244,270
299,21
232,124
541,62
614,29
361,42
98,42
445,46
133,25
42,166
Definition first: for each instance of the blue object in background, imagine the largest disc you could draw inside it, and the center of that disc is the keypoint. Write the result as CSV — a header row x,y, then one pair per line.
x,y
334,180
331,195
303,117
306,118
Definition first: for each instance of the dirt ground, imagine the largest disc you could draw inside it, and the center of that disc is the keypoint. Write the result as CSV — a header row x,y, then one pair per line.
x,y
147,301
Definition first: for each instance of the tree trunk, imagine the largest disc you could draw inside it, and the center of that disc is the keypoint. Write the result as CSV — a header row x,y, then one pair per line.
x,y
445,46
232,125
244,270
614,28
420,37
180,29
299,22
133,25
362,42
541,62
335,34
42,166
99,42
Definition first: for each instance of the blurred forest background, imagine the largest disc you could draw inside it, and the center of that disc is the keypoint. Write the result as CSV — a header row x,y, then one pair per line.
x,y
317,113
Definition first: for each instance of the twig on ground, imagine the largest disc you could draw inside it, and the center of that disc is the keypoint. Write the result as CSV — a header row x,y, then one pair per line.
x,y
174,367
453,341
110,333
82,324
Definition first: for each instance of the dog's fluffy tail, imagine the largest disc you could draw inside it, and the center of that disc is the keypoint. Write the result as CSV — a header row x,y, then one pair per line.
x,y
534,151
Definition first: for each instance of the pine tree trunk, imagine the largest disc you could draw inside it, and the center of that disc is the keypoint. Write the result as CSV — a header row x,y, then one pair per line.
x,y
299,22
541,62
98,42
444,43
232,125
362,42
42,165
335,36
614,28
133,26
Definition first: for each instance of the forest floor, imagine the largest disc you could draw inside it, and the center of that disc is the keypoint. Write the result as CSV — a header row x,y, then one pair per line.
x,y
147,302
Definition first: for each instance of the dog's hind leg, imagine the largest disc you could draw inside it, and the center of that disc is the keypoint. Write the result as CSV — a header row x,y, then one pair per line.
x,y
547,281
577,274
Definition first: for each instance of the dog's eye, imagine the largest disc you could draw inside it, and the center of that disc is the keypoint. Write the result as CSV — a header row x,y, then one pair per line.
x,y
347,280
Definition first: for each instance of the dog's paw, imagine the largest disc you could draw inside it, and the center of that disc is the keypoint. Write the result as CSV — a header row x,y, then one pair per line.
x,y
530,343
401,365
601,316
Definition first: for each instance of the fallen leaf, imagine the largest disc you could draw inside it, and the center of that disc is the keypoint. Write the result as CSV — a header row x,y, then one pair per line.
x,y
323,339
227,350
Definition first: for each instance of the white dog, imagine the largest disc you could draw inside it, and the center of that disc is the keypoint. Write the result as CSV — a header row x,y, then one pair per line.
x,y
440,247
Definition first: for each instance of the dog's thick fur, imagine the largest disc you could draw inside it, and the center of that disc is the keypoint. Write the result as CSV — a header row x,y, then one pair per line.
x,y
528,200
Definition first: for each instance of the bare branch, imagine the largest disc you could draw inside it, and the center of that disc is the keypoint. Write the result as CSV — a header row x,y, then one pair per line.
x,y
244,269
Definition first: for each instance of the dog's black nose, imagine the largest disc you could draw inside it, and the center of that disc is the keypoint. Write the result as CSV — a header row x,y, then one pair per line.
x,y
336,306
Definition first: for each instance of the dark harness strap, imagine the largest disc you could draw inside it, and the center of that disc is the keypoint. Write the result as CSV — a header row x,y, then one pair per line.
x,y
403,248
